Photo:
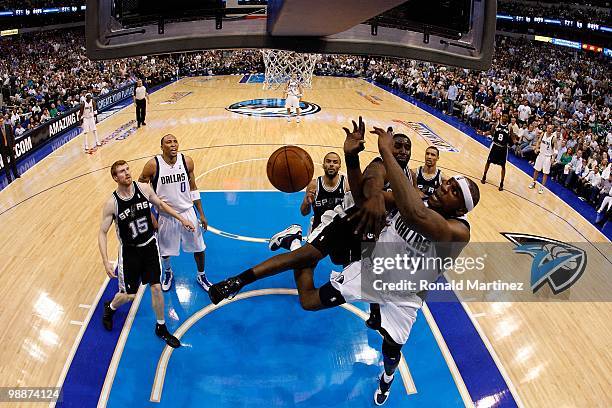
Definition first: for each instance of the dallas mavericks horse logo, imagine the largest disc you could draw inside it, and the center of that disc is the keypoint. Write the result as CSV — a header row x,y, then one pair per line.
x,y
555,262
270,107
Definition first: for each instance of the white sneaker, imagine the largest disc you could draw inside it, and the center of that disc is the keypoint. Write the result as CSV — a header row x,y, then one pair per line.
x,y
298,119
98,143
166,283
288,118
541,190
532,185
284,238
203,282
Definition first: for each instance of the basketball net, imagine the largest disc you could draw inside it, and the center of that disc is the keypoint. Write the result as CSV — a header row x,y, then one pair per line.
x,y
281,64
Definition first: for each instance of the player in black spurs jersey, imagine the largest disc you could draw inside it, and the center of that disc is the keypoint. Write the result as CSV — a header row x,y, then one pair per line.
x,y
323,193
429,176
129,207
498,154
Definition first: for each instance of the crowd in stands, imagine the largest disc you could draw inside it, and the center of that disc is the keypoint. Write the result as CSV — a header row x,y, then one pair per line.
x,y
536,84
587,13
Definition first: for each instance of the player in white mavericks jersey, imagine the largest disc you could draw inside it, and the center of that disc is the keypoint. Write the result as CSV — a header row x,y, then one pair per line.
x,y
415,229
89,110
171,175
546,148
293,94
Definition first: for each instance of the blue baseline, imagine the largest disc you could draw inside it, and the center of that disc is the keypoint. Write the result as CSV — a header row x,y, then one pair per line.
x,y
566,195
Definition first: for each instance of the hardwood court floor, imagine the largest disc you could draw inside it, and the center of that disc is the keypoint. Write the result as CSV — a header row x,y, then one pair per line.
x,y
555,354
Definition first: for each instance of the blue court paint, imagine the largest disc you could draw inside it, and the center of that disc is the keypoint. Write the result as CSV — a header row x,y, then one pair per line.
x,y
560,191
244,79
257,79
266,351
87,372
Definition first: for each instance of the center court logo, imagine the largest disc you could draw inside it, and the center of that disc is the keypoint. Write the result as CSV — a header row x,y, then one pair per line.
x,y
558,263
270,107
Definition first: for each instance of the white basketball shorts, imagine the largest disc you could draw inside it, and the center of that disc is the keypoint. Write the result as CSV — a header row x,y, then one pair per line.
x,y
172,235
89,125
292,101
542,163
397,319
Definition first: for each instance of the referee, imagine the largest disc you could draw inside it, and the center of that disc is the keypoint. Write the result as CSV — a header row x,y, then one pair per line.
x,y
141,98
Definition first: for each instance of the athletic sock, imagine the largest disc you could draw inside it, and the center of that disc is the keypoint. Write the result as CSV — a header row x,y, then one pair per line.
x,y
295,244
161,322
201,273
111,306
166,263
387,378
247,277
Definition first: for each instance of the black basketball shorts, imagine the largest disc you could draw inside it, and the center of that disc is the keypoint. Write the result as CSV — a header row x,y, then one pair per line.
x,y
138,264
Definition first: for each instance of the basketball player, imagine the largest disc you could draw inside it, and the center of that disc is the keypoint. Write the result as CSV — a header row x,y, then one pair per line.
x,y
415,223
429,177
547,148
293,94
323,193
499,149
336,235
88,112
172,178
138,259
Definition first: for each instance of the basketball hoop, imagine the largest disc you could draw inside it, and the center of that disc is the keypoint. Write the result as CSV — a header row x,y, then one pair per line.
x,y
281,64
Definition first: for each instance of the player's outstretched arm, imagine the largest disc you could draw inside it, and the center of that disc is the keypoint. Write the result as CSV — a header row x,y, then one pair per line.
x,y
148,172
409,203
107,220
156,201
195,195
353,145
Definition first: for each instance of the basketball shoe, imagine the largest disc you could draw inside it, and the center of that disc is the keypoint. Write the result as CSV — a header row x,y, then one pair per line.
x,y
226,289
107,316
284,238
162,332
203,281
382,392
167,281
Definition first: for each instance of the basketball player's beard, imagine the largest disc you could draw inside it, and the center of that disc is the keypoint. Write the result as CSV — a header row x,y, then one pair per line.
x,y
331,176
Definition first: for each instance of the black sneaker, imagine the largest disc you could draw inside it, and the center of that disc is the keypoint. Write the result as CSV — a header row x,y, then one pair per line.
x,y
225,289
107,317
162,332
373,321
382,393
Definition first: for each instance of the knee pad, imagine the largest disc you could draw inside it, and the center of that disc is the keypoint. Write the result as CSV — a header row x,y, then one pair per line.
x,y
391,353
330,296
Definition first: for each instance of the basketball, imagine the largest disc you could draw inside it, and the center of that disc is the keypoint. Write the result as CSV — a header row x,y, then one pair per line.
x,y
290,169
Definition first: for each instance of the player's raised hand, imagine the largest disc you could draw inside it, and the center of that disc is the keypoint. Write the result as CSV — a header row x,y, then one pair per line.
x,y
355,140
385,139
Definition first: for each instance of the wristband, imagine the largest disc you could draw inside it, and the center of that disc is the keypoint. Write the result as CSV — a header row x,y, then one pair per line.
x,y
352,161
195,195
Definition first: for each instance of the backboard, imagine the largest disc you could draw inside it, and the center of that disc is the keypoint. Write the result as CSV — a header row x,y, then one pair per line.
x,y
451,32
